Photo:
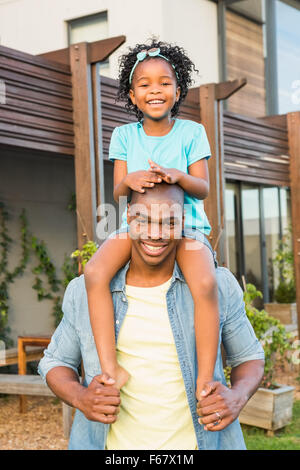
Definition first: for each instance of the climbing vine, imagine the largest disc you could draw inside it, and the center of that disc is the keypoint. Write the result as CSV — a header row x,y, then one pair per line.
x,y
30,244
7,277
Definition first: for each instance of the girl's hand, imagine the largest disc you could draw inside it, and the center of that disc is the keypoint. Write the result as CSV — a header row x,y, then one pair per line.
x,y
138,180
169,175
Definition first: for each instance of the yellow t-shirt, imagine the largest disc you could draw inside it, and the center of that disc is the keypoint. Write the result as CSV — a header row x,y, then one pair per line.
x,y
154,411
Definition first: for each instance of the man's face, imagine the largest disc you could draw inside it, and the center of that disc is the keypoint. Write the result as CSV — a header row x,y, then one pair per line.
x,y
155,229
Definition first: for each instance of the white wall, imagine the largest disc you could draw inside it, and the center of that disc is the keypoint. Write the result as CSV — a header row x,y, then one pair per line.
x,y
36,26
192,24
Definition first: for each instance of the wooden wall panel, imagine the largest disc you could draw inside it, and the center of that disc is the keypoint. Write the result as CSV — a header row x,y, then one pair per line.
x,y
245,58
38,110
255,150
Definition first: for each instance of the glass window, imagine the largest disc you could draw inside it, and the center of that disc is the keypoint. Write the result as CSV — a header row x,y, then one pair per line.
x,y
231,195
272,233
285,208
90,28
288,57
251,232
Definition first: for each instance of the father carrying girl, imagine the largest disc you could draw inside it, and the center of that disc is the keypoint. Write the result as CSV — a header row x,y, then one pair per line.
x,y
153,82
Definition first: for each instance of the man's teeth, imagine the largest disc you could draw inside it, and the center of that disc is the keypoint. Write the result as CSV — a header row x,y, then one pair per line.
x,y
153,248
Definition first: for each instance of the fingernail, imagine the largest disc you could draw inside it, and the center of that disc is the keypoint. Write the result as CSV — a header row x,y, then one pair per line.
x,y
203,393
110,380
200,421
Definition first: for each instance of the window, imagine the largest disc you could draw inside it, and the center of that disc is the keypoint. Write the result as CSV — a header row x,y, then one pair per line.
x,y
288,57
256,218
90,28
260,40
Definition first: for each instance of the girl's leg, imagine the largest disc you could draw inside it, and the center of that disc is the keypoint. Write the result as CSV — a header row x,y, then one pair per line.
x,y
98,273
198,268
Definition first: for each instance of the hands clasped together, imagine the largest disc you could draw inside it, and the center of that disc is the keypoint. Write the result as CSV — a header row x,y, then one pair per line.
x,y
138,180
220,405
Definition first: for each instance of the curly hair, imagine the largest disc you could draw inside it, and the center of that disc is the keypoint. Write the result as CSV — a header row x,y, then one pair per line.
x,y
178,58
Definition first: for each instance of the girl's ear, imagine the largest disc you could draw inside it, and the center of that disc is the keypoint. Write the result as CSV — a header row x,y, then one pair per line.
x,y
131,96
177,93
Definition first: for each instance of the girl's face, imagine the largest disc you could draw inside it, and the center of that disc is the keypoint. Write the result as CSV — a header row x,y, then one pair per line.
x,y
154,88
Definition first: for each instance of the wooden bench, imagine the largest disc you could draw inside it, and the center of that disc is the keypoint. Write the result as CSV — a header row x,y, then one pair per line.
x,y
33,385
10,356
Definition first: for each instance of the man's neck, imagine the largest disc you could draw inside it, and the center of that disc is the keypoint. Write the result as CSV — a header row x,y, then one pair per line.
x,y
141,274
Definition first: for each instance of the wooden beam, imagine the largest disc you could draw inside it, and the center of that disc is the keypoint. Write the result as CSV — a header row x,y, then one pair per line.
x,y
101,50
210,119
225,89
84,143
97,51
293,124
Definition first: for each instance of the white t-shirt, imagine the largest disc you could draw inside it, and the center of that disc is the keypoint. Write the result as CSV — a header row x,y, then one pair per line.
x,y
154,411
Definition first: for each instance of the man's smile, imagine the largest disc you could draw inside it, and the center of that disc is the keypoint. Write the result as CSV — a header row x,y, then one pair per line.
x,y
154,249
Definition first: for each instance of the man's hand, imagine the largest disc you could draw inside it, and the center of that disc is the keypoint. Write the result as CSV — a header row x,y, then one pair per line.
x,y
169,175
221,399
100,400
138,180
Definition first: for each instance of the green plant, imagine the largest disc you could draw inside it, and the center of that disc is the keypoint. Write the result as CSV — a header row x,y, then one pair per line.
x,y
7,277
84,255
270,332
44,268
285,292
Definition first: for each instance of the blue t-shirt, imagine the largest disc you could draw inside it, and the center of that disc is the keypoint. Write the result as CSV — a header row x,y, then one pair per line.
x,y
185,144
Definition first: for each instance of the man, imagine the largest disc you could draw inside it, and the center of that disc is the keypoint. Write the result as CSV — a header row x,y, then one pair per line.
x,y
154,324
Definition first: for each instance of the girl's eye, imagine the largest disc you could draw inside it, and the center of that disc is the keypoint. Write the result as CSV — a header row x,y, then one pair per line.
x,y
166,83
143,85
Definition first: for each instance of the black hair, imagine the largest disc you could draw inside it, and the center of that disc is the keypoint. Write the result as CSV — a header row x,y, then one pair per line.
x,y
178,58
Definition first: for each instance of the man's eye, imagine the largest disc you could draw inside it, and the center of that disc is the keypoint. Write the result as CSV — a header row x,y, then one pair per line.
x,y
141,220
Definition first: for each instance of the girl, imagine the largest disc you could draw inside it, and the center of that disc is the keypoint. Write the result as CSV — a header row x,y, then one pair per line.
x,y
153,81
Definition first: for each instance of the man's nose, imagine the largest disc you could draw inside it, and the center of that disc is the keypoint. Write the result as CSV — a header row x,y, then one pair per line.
x,y
155,232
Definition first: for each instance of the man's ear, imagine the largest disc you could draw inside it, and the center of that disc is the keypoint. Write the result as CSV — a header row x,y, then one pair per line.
x,y
131,96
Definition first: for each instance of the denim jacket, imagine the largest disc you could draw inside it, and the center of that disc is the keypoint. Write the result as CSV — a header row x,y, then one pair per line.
x,y
73,341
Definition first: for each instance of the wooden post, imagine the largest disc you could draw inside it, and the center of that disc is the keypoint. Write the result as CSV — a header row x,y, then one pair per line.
x,y
67,419
211,114
293,124
22,371
84,143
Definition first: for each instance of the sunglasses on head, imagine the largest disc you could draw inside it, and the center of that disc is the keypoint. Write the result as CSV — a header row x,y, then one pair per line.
x,y
153,52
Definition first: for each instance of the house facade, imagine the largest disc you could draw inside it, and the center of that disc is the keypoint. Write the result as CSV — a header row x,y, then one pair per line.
x,y
228,41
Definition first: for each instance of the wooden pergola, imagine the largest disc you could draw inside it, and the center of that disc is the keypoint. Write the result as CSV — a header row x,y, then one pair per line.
x,y
57,103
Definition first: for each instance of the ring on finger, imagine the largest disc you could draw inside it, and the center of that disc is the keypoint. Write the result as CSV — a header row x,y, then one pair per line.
x,y
219,418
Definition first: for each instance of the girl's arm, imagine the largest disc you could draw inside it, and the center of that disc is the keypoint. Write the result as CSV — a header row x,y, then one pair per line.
x,y
121,188
195,182
136,181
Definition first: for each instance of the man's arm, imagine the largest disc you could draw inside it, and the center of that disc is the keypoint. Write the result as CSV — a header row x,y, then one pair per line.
x,y
228,402
98,402
59,367
244,354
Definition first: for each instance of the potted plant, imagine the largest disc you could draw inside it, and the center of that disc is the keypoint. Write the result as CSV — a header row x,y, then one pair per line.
x,y
284,307
271,406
